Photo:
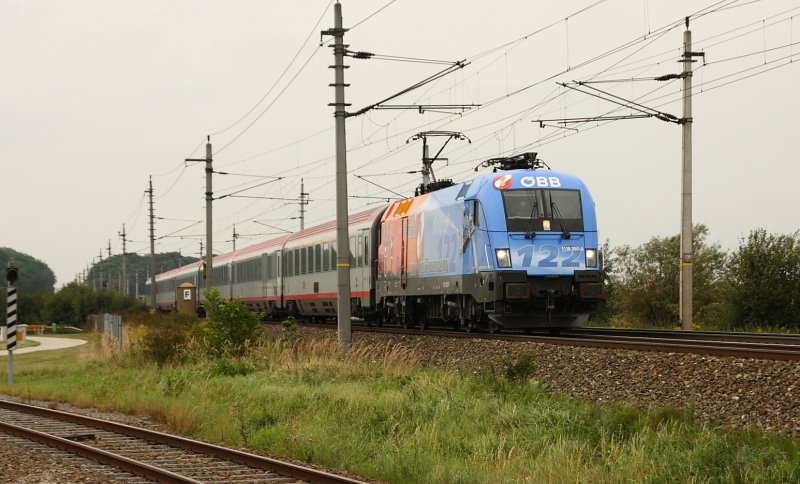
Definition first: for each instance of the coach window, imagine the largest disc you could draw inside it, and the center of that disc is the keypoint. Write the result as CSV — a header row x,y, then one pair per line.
x,y
326,256
303,260
315,250
296,261
352,246
334,262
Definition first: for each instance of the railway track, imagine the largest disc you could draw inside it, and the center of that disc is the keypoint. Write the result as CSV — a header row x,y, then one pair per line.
x,y
767,346
150,455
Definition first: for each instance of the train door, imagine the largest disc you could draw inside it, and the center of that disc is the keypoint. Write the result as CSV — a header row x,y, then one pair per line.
x,y
364,266
404,255
265,281
279,277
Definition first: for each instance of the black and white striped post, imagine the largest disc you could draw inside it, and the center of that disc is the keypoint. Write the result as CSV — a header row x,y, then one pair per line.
x,y
12,274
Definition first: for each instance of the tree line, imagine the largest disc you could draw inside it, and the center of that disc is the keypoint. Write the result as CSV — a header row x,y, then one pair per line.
x,y
100,292
755,286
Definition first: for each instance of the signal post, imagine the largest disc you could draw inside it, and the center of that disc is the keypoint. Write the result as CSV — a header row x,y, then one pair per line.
x,y
12,274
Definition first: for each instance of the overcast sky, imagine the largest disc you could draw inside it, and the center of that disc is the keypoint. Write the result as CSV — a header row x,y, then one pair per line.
x,y
97,96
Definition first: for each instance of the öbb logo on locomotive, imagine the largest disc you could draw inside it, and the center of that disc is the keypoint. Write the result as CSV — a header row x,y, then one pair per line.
x,y
513,249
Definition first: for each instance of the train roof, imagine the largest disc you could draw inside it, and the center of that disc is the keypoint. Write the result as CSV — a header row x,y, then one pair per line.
x,y
364,217
360,218
177,271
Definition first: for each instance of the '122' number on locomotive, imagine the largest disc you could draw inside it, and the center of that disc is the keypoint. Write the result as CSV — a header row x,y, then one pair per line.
x,y
550,256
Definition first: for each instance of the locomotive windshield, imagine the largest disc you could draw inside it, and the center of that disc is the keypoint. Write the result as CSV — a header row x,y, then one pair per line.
x,y
536,210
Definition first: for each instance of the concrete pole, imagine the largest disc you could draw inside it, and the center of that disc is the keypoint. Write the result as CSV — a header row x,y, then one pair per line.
x,y
233,265
100,269
153,290
110,269
209,199
342,236
302,205
686,187
124,262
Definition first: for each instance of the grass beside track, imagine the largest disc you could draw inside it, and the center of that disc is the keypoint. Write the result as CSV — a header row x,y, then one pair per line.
x,y
377,414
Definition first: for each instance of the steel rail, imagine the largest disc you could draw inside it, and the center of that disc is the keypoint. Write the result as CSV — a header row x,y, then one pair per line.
x,y
680,343
134,467
765,338
232,455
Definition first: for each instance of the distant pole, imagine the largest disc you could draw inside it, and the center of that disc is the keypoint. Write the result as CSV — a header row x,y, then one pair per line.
x,y
136,284
342,237
100,269
209,276
152,249
686,187
12,275
303,203
209,199
110,268
124,262
233,265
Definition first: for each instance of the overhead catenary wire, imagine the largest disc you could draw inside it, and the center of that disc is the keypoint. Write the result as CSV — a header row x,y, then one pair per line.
x,y
381,140
372,15
280,78
373,143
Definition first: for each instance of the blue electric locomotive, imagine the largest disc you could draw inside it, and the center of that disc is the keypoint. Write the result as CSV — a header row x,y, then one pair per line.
x,y
515,249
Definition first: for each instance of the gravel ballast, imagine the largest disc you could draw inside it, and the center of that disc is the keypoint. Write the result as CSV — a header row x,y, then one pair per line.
x,y
732,392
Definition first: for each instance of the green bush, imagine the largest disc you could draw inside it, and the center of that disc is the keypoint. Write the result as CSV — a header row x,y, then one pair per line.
x,y
231,328
164,337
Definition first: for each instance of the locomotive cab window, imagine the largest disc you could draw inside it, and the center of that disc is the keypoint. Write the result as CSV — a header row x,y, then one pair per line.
x,y
536,210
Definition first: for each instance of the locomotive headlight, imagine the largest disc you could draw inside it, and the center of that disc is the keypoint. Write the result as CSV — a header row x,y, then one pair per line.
x,y
503,257
591,257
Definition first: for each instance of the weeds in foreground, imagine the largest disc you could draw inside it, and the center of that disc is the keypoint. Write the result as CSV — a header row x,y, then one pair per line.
x,y
377,413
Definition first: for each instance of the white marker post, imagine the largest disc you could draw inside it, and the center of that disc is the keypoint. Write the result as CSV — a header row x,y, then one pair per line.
x,y
12,274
